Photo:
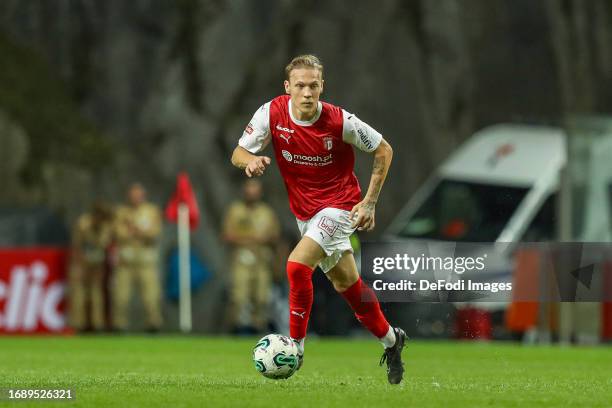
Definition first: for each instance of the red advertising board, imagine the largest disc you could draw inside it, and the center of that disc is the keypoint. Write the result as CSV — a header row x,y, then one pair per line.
x,y
32,291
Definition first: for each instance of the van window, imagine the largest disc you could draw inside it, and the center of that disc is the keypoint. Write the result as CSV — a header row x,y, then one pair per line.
x,y
464,211
543,226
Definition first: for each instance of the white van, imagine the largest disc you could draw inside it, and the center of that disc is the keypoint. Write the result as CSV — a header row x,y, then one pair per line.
x,y
500,186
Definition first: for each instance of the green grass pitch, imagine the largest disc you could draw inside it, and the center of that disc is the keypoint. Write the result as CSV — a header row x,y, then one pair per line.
x,y
168,371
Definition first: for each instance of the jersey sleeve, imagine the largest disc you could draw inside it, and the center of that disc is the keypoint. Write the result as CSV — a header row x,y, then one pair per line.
x,y
256,135
359,133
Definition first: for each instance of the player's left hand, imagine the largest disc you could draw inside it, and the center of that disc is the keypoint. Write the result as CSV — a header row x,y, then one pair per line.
x,y
362,215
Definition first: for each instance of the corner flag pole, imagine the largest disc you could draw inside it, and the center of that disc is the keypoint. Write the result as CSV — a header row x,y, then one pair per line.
x,y
184,268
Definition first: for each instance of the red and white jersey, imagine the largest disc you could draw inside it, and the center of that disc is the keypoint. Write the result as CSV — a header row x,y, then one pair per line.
x,y
315,157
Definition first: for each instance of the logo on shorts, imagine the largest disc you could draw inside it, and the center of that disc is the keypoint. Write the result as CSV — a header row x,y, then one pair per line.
x,y
288,156
328,143
328,225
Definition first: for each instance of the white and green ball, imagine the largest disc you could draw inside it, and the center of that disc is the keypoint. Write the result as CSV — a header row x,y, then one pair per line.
x,y
275,356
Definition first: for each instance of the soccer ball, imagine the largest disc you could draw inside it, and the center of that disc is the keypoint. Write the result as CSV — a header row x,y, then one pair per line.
x,y
276,356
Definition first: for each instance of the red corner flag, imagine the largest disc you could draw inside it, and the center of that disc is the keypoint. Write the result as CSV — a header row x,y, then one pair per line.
x,y
183,194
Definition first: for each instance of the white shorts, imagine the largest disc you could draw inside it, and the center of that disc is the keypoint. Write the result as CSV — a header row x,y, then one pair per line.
x,y
331,229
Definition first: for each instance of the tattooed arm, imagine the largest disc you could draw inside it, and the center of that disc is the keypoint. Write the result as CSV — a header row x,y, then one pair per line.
x,y
364,211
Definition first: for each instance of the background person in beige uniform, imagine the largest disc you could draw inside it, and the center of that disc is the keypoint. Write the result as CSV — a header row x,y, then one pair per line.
x,y
137,230
252,229
91,238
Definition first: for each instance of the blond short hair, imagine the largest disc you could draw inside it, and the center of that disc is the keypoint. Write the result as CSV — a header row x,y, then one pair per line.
x,y
304,61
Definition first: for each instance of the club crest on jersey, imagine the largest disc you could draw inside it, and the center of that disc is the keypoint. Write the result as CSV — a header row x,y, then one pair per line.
x,y
328,143
328,225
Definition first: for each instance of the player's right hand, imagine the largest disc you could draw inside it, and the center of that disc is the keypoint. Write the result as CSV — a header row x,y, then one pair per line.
x,y
257,166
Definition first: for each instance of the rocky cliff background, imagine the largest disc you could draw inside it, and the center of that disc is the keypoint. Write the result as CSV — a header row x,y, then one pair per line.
x,y
97,93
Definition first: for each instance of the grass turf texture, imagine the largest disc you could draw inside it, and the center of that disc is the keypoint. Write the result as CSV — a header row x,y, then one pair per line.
x,y
204,371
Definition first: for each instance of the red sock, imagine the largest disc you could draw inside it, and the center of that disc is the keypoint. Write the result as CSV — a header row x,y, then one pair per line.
x,y
364,303
300,298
